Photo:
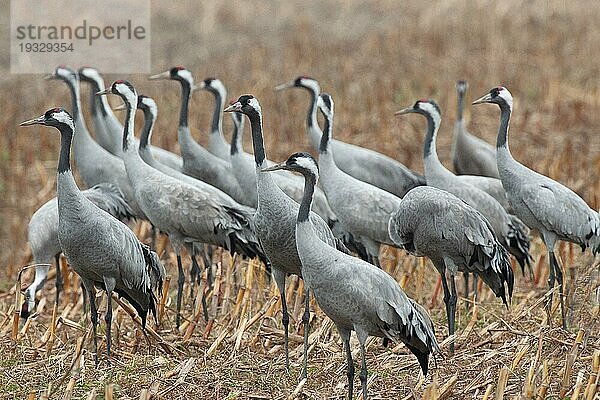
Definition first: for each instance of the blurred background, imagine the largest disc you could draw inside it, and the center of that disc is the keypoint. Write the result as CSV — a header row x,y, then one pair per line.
x,y
374,57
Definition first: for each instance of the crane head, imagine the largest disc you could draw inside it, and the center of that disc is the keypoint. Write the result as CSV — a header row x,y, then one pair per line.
x,y
55,117
325,104
246,104
303,163
123,89
425,107
62,72
497,95
90,74
213,85
303,81
147,103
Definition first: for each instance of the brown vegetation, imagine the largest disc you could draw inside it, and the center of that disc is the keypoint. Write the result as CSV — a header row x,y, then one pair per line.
x,y
374,57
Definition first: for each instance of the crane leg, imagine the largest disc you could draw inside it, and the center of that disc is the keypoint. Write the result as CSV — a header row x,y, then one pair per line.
x,y
551,281
450,301
194,275
180,282
305,321
350,364
85,299
207,255
94,318
285,319
108,320
475,284
363,370
466,279
59,280
559,278
204,306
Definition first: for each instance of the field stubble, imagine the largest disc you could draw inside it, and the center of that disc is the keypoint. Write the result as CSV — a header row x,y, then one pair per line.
x,y
374,58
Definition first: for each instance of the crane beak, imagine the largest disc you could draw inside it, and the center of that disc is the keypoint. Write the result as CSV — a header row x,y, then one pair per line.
x,y
484,99
405,111
50,76
103,92
162,75
36,121
199,86
237,106
274,167
284,86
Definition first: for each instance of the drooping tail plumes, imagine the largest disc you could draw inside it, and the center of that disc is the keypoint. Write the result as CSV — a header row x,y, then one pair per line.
x,y
418,334
518,242
156,272
241,237
494,268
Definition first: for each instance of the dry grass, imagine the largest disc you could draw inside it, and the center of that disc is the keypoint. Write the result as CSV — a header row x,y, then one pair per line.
x,y
374,57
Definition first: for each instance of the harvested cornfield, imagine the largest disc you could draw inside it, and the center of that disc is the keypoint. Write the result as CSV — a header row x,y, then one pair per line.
x,y
374,58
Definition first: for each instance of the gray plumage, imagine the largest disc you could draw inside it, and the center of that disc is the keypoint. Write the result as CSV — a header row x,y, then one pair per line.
x,y
492,186
361,163
541,203
507,230
436,224
243,168
198,161
470,154
42,235
217,144
94,164
107,127
102,250
186,213
362,208
275,219
356,295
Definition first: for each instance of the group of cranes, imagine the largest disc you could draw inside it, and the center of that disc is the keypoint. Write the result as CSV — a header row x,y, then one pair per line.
x,y
244,203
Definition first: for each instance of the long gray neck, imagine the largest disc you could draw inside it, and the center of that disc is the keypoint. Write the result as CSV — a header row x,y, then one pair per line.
x,y
73,84
186,91
502,139
64,160
325,145
217,118
257,138
128,140
309,188
432,165
460,106
95,101
311,118
146,134
237,144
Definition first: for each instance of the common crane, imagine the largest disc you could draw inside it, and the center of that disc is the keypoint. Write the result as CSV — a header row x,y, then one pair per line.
x,y
363,164
187,214
470,154
364,209
42,235
541,203
107,127
508,231
275,221
197,161
102,250
436,224
356,295
94,164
